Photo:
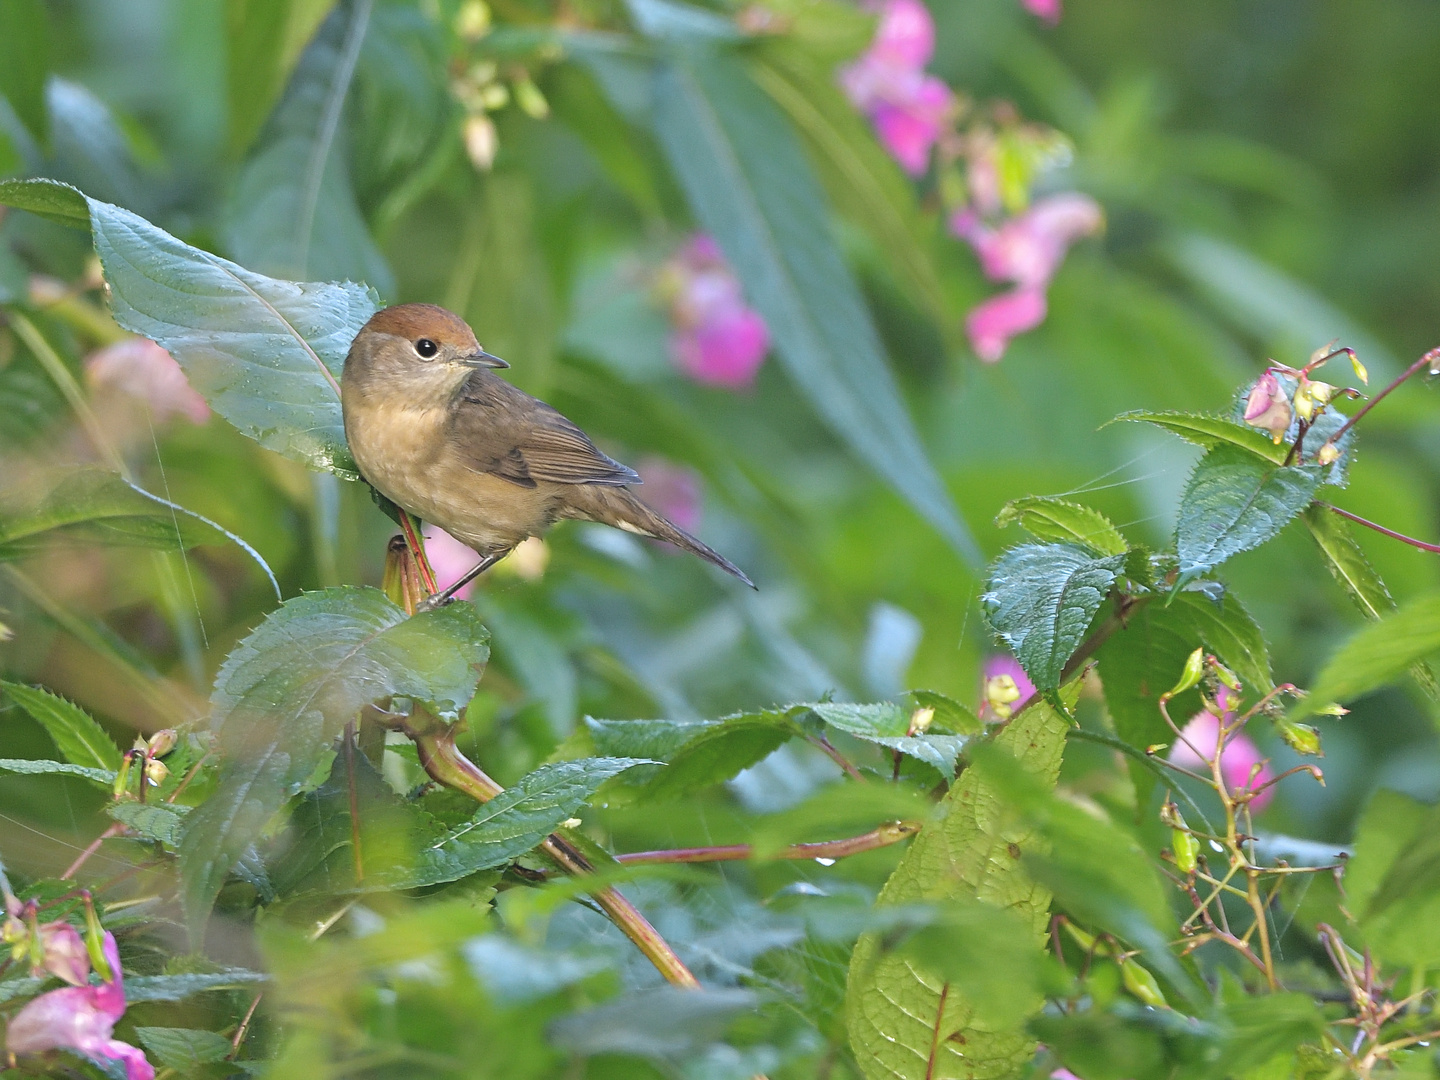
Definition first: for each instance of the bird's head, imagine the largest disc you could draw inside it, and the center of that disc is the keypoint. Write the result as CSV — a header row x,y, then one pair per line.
x,y
416,350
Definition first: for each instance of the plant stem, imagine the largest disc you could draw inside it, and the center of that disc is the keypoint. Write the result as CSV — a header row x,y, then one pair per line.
x,y
885,835
445,764
1421,544
1429,358
1125,605
114,830
410,526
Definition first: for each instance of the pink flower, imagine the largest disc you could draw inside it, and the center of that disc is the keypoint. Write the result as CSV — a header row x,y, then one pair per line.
x,y
449,558
82,1019
718,339
1049,10
908,107
139,367
1004,685
671,490
1237,760
65,954
1267,406
1029,248
992,324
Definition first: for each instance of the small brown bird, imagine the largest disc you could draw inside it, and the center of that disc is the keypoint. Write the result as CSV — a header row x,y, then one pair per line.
x,y
436,432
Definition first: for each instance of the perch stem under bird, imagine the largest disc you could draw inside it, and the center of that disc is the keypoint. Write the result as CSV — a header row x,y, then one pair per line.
x,y
439,434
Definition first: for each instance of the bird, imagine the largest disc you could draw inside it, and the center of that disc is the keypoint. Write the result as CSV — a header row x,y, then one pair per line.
x,y
439,434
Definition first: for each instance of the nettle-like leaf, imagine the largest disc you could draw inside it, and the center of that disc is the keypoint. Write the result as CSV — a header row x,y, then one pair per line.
x,y
179,987
41,767
1040,600
905,1021
266,354
886,724
1234,502
75,733
1377,654
184,1049
1048,518
1144,659
289,688
748,181
1210,431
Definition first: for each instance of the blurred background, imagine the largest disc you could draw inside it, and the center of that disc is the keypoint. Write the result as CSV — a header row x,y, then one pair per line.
x,y
1269,173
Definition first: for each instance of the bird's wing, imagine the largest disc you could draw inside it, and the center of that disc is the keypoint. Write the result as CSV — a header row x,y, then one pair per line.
x,y
503,430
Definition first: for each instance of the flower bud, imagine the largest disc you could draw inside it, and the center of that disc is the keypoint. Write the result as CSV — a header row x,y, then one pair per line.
x,y
401,578
155,772
531,101
921,719
1302,738
162,742
1267,408
1194,668
1142,984
1227,677
1327,454
472,21
482,141
1360,372
1000,693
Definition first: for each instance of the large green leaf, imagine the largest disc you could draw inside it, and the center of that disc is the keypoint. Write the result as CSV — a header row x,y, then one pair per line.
x,y
907,1023
1395,891
266,354
48,199
287,690
1234,502
293,212
184,1049
1049,518
80,740
751,187
25,62
1209,431
1377,654
264,40
1040,599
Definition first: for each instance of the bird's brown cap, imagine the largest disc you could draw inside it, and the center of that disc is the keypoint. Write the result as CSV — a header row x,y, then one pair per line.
x,y
411,321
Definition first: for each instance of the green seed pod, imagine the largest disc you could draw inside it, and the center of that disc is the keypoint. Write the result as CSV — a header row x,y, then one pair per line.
x,y
1186,849
1194,668
1142,985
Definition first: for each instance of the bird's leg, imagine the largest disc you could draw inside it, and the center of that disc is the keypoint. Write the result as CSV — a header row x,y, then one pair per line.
x,y
440,599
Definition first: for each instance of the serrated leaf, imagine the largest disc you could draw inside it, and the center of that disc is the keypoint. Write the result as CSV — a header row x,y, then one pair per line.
x,y
1235,502
1377,654
40,767
183,1049
905,1023
1040,599
516,820
266,354
292,213
886,724
49,199
179,987
286,691
1048,518
92,506
264,41
1349,566
950,716
750,186
75,733
1142,661
1209,431
161,822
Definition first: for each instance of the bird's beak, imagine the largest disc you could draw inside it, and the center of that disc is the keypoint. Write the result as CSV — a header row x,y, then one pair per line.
x,y
483,359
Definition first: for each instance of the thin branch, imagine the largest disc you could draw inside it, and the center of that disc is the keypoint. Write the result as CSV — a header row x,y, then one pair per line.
x,y
1421,544
884,836
1431,357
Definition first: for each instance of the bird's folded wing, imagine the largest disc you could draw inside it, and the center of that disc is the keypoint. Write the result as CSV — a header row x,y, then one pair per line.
x,y
502,430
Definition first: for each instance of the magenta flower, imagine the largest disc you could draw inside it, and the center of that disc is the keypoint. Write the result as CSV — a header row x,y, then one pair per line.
x,y
718,339
1238,759
449,558
1049,10
992,324
1267,407
671,490
81,1019
888,83
65,954
139,367
1003,685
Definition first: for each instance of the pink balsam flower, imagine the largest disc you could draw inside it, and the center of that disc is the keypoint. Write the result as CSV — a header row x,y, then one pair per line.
x,y
718,339
139,367
992,324
1003,685
1049,10
1267,407
449,558
888,83
80,1019
1238,758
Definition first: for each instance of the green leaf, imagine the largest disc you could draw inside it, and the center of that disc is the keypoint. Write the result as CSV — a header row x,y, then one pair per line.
x,y
265,39
1347,562
37,767
1210,431
1396,875
160,822
75,733
516,820
1235,502
751,187
906,1023
183,1049
888,725
950,716
266,354
87,505
288,689
179,987
48,199
1048,518
25,62
1141,661
1040,600
1377,654
293,213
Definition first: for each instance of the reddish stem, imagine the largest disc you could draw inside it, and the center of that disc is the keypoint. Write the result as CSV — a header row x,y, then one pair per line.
x,y
1428,359
417,548
74,868
885,835
1421,544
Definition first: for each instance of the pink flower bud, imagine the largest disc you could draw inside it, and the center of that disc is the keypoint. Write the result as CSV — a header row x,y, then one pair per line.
x,y
65,955
1267,407
992,324
718,339
1049,10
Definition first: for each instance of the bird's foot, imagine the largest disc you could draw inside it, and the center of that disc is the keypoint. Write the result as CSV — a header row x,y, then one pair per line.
x,y
434,602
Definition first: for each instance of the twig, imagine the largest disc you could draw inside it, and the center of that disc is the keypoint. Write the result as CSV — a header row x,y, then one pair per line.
x,y
1421,544
837,757
885,835
114,830
242,1029
1429,358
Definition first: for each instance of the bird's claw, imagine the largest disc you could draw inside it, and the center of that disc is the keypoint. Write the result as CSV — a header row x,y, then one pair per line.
x,y
433,602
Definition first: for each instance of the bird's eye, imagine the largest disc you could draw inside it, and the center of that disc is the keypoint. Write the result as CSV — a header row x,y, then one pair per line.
x,y
426,348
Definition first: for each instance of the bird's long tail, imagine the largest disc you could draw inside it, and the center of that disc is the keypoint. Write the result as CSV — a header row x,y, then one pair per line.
x,y
620,507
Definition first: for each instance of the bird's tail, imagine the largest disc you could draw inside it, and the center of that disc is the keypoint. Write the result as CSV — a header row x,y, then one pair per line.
x,y
619,506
